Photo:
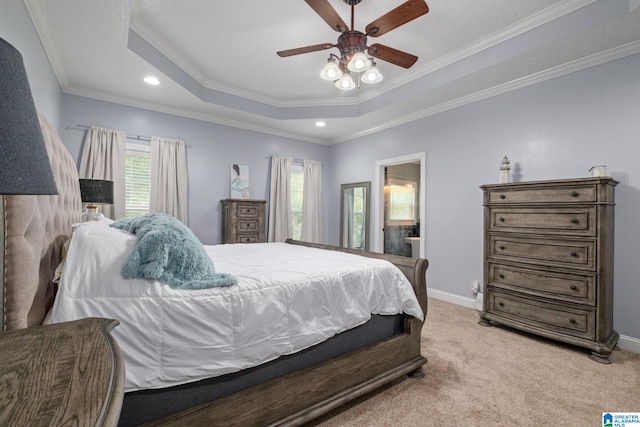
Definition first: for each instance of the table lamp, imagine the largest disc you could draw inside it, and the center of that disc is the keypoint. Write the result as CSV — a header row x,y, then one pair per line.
x,y
24,162
93,192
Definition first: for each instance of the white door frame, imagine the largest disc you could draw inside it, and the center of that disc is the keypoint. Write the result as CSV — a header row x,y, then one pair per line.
x,y
378,198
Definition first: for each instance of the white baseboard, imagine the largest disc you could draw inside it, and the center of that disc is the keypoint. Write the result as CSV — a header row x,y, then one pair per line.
x,y
452,298
629,343
625,342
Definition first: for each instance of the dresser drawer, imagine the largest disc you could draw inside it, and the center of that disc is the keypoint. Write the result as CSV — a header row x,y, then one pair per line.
x,y
246,225
543,314
578,288
576,193
247,211
568,253
246,238
575,221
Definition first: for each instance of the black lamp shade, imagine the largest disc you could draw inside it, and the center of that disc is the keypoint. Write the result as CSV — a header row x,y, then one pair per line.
x,y
96,191
24,163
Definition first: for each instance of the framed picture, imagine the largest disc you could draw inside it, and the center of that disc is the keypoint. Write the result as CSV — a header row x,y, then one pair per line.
x,y
239,181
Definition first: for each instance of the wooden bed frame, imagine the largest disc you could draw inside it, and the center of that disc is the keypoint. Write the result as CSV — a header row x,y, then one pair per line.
x,y
35,229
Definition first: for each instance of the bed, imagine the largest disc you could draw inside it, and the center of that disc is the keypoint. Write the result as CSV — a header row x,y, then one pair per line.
x,y
290,389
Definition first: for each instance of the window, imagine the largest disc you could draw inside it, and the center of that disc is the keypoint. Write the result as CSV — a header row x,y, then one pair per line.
x,y
137,180
402,202
297,188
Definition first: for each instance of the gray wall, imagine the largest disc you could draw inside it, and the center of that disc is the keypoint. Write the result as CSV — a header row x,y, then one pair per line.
x,y
214,148
17,29
555,129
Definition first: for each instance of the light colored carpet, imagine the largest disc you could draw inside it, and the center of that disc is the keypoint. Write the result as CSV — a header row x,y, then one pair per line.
x,y
478,376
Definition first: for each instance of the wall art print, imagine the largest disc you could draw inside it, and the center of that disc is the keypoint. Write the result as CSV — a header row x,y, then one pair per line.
x,y
239,181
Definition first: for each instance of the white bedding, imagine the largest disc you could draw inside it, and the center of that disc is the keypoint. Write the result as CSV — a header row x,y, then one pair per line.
x,y
288,298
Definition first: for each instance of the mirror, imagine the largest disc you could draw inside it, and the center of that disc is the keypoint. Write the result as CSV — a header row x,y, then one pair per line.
x,y
354,215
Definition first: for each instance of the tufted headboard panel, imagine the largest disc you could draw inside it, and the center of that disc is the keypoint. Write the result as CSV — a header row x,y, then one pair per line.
x,y
35,229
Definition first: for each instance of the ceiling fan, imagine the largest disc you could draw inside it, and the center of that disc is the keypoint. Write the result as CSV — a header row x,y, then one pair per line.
x,y
352,43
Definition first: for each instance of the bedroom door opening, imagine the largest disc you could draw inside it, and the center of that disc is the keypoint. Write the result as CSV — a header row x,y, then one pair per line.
x,y
399,205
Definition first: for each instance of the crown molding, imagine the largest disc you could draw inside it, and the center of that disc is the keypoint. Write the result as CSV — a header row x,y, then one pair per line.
x,y
536,20
205,84
558,71
161,108
38,14
539,77
37,11
543,17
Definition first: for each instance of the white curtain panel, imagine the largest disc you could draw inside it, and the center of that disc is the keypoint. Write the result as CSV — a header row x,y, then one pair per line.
x,y
280,200
104,157
169,177
312,202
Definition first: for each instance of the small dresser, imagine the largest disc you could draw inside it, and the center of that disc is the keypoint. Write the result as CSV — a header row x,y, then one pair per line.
x,y
243,221
548,260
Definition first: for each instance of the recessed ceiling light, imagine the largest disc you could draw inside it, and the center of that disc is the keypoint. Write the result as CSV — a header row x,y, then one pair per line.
x,y
321,124
151,80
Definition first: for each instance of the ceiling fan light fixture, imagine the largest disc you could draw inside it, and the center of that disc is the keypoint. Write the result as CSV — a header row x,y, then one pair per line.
x,y
331,71
359,63
352,44
345,82
372,75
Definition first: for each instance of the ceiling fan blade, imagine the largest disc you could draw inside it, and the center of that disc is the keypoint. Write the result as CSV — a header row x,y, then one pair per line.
x,y
329,14
394,56
306,49
402,14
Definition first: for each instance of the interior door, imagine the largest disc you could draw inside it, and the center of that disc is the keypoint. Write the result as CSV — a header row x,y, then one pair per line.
x,y
399,206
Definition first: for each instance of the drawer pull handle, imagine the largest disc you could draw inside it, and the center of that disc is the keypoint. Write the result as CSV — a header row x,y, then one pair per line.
x,y
501,304
572,321
501,276
574,221
574,254
501,247
575,194
574,288
502,196
501,219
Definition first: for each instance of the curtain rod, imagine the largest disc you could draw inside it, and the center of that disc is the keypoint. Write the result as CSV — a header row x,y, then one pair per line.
x,y
293,160
76,126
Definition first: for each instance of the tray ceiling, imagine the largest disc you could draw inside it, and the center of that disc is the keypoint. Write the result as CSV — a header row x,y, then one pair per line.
x,y
217,61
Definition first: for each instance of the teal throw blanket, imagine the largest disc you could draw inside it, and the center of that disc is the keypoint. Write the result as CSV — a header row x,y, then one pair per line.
x,y
167,251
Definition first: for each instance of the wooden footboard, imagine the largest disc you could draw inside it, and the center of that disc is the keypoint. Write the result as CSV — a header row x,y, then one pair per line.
x,y
308,393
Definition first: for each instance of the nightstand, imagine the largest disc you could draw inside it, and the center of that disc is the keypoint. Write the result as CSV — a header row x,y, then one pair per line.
x,y
68,373
243,221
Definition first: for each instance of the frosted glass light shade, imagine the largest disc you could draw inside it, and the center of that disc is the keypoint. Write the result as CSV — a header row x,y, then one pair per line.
x,y
331,71
359,63
372,75
345,82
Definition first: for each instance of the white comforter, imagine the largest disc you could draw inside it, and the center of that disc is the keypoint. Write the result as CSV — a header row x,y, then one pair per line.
x,y
288,298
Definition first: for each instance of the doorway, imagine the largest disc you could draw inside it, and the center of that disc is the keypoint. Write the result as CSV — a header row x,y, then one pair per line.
x,y
399,206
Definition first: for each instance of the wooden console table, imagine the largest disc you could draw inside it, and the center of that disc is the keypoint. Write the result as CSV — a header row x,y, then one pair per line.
x,y
68,373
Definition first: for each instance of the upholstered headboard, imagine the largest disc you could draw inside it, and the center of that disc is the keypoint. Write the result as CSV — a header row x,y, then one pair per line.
x,y
35,229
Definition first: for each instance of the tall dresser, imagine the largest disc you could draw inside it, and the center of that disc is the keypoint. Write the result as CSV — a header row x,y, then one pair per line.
x,y
243,221
548,260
